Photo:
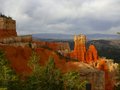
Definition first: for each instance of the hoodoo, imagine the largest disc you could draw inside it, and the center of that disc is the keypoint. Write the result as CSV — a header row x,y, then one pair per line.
x,y
80,51
79,47
91,54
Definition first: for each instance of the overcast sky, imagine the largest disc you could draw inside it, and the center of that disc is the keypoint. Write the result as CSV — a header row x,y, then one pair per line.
x,y
64,16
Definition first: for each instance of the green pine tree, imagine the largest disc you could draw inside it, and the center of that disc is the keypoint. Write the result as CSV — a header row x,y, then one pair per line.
x,y
44,77
72,81
7,75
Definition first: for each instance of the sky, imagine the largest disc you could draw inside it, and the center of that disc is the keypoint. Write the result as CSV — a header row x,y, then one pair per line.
x,y
64,16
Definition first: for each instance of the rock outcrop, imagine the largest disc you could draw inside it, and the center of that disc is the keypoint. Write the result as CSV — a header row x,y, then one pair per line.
x,y
91,54
80,51
7,27
111,72
79,47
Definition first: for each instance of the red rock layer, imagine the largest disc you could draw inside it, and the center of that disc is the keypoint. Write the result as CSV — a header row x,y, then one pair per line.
x,y
56,46
7,33
19,56
79,52
79,47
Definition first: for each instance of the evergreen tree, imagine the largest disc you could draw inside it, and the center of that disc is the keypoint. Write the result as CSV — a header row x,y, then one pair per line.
x,y
44,78
72,81
53,76
7,75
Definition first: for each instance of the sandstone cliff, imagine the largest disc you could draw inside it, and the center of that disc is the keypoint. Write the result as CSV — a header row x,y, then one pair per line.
x,y
7,27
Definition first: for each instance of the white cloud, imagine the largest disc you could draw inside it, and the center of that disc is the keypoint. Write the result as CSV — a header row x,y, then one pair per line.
x,y
114,30
67,16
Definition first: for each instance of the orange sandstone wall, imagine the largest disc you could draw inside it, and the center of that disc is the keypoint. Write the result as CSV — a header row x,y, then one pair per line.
x,y
19,56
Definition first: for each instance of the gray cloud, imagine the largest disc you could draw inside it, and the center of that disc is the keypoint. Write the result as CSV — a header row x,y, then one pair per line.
x,y
64,16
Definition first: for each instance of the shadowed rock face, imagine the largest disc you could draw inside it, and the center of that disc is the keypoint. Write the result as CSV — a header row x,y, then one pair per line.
x,y
80,51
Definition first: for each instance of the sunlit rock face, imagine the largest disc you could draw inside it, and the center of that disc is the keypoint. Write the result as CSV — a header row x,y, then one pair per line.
x,y
80,51
79,47
91,55
7,27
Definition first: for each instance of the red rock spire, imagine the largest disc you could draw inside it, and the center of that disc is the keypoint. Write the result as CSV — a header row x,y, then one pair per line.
x,y
79,48
80,52
91,54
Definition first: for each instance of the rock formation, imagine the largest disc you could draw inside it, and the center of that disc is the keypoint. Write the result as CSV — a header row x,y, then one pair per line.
x,y
7,27
79,47
111,72
62,47
91,54
80,51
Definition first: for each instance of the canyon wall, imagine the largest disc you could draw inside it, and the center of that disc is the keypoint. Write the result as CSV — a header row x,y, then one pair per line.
x,y
62,47
19,57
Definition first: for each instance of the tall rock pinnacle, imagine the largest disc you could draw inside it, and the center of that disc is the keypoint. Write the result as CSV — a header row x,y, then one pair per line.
x,y
79,47
80,51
